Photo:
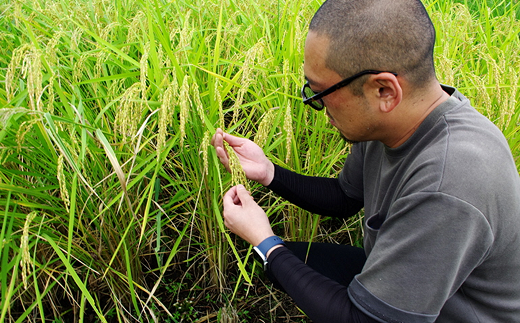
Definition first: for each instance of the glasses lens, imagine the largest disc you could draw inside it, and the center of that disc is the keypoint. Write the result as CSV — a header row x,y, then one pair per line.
x,y
317,105
307,93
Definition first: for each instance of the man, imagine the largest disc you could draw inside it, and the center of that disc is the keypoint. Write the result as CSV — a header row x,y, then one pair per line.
x,y
437,180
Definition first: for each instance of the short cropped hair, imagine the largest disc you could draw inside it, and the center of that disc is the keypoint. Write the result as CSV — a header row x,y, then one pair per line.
x,y
387,35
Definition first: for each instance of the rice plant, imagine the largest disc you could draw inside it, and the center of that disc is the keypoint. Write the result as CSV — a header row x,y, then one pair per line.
x,y
110,193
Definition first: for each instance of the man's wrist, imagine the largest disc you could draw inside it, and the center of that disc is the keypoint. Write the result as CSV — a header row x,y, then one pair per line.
x,y
265,247
271,250
269,174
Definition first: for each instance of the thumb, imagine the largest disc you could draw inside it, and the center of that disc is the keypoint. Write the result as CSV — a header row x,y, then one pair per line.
x,y
232,140
243,194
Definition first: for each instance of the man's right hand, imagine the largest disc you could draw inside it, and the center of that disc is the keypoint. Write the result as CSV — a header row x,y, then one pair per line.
x,y
252,158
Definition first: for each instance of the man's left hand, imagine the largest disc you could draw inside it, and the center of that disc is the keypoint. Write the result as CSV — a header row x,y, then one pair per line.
x,y
244,217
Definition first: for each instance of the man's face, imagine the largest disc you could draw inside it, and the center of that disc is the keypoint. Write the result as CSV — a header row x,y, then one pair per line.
x,y
350,114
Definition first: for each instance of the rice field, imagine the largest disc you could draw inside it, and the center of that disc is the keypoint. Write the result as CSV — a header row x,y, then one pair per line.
x,y
110,193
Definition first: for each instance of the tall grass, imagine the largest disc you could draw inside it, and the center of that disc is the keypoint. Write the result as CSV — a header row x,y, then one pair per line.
x,y
110,194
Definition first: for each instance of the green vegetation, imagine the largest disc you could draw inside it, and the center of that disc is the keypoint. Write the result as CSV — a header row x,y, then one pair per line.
x,y
110,196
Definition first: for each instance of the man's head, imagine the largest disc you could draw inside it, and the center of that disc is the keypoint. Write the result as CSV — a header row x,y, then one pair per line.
x,y
395,38
383,35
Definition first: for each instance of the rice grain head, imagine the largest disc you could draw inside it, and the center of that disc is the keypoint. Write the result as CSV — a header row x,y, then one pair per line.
x,y
24,128
17,13
135,29
64,193
185,38
246,78
79,68
50,93
204,148
7,113
50,51
14,71
308,156
288,128
218,101
32,71
26,263
483,99
115,88
238,176
129,113
285,73
105,32
184,105
265,126
101,58
75,39
166,113
228,314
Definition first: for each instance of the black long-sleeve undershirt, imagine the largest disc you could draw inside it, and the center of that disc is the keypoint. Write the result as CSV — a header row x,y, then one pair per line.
x,y
321,298
318,195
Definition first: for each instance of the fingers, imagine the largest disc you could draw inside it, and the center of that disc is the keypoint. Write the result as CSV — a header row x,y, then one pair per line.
x,y
233,141
230,199
236,196
243,194
214,140
218,142
218,139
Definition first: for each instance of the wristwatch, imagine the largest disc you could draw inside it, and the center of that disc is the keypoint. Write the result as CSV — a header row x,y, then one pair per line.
x,y
265,246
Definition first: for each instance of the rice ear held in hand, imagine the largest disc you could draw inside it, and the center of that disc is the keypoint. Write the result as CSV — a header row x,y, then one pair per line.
x,y
238,176
250,157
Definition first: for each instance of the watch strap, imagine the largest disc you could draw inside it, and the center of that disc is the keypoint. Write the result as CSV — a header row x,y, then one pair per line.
x,y
266,245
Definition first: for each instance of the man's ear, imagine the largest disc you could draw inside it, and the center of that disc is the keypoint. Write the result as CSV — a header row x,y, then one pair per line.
x,y
386,89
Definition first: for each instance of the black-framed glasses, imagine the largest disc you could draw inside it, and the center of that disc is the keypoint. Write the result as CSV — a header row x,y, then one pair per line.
x,y
315,99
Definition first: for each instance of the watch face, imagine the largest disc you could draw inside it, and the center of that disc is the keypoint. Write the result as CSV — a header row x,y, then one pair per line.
x,y
261,258
259,253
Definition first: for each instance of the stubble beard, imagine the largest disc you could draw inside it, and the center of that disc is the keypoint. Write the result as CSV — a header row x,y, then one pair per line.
x,y
348,141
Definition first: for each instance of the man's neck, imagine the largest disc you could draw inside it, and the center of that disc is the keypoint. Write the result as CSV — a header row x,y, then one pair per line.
x,y
412,114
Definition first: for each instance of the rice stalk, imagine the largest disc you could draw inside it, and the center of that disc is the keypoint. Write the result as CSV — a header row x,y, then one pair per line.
x,y
207,41
198,102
